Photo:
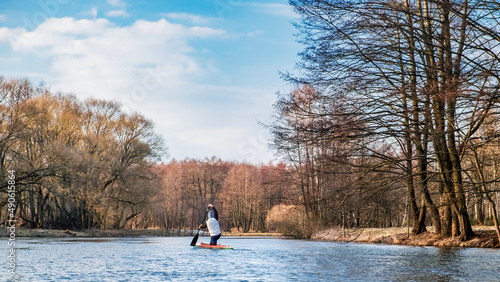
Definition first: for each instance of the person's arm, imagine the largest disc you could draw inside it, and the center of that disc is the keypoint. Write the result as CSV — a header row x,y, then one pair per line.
x,y
203,225
216,215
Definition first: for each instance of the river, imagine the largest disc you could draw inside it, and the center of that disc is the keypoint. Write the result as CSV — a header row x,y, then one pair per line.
x,y
253,259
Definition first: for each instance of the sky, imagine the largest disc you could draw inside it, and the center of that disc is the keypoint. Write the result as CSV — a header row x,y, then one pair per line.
x,y
206,72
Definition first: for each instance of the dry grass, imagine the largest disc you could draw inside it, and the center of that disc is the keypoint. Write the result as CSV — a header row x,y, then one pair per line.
x,y
486,237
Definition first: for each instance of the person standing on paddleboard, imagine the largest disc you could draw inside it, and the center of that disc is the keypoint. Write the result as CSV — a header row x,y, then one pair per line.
x,y
212,224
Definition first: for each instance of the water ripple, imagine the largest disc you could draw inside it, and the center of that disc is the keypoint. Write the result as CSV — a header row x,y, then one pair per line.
x,y
172,259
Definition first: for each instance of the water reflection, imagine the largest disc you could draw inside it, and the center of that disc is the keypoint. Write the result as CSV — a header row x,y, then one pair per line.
x,y
448,254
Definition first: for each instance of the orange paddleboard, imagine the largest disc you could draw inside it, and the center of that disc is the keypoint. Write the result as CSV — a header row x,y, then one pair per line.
x,y
217,247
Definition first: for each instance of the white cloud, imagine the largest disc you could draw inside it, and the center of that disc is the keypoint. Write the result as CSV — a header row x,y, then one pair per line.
x,y
188,17
150,67
116,57
117,3
3,18
204,128
277,9
92,12
117,13
254,33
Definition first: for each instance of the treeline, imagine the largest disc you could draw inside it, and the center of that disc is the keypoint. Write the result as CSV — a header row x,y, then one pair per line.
x,y
242,193
76,164
87,164
397,108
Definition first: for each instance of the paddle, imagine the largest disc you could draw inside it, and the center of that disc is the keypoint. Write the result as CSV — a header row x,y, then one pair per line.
x,y
195,239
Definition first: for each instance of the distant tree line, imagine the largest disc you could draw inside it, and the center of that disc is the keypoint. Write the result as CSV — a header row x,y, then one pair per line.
x,y
396,109
242,193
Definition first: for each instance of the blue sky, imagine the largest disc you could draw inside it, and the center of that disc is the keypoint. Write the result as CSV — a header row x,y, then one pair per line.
x,y
205,72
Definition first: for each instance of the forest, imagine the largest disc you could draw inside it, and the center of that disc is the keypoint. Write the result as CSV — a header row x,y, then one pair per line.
x,y
393,121
87,164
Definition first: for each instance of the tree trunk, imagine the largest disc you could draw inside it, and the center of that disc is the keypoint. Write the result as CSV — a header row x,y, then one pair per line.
x,y
421,218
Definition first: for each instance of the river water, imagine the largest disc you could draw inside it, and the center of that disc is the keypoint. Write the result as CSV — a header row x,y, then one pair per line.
x,y
253,259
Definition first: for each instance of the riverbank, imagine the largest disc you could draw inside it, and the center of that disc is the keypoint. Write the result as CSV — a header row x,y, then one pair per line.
x,y
57,233
91,233
486,237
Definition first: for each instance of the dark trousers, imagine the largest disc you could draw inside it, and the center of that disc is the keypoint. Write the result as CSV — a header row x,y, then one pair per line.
x,y
213,239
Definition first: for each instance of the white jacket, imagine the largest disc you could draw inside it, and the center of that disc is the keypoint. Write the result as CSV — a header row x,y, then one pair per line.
x,y
213,226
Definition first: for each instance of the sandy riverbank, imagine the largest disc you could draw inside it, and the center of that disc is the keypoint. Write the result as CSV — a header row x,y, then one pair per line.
x,y
486,237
